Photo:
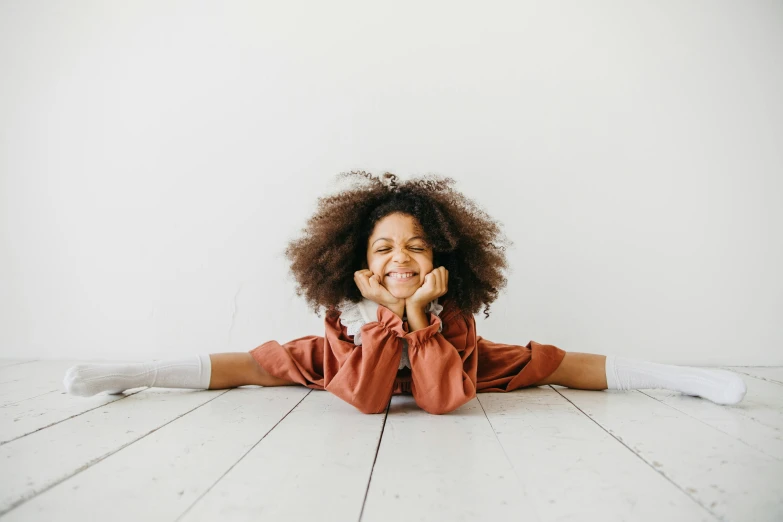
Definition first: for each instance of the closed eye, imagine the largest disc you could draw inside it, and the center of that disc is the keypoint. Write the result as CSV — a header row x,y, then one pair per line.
x,y
414,249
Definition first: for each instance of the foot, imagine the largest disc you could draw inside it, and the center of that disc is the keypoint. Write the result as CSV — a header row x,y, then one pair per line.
x,y
86,380
719,386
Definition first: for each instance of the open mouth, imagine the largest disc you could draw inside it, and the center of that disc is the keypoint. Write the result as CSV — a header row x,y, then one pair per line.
x,y
403,276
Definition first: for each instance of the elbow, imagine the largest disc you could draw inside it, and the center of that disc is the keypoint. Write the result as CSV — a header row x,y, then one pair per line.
x,y
369,409
445,405
364,402
437,410
372,412
442,400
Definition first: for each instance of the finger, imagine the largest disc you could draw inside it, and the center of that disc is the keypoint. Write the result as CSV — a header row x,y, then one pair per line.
x,y
437,281
432,280
362,281
443,277
377,286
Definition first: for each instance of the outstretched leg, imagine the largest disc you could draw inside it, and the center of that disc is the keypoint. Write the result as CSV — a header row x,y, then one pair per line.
x,y
598,372
215,371
583,371
230,370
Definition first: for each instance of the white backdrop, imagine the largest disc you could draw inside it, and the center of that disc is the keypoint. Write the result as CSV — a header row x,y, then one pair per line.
x,y
155,158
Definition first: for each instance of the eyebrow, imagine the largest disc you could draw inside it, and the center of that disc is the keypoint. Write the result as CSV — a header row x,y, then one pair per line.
x,y
387,239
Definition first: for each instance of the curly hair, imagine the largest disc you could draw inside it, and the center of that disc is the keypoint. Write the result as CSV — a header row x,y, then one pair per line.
x,y
463,238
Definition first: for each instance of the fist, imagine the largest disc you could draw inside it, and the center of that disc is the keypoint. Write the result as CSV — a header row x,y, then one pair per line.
x,y
436,283
371,288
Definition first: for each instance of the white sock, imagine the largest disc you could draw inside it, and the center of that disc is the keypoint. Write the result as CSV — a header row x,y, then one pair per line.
x,y
88,379
719,386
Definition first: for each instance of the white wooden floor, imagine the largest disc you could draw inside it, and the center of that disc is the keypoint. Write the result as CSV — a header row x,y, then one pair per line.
x,y
289,453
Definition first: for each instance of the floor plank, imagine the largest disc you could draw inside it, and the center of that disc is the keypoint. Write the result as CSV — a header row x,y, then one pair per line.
x,y
549,453
763,403
11,362
40,460
772,373
727,477
20,382
24,417
568,462
755,421
314,465
161,475
443,467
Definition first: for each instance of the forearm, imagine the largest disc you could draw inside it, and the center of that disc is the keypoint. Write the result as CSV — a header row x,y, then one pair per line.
x,y
399,310
363,375
444,370
417,319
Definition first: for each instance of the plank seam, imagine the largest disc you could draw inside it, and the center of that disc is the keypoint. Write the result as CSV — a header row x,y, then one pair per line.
x,y
508,459
187,510
28,398
660,472
17,363
374,460
91,463
67,418
711,426
773,381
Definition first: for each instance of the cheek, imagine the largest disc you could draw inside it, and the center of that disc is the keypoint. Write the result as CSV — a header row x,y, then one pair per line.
x,y
426,264
374,264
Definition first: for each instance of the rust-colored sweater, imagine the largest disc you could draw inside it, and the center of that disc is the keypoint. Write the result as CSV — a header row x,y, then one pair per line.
x,y
447,367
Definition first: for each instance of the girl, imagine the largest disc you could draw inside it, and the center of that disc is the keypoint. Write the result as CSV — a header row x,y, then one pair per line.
x,y
400,270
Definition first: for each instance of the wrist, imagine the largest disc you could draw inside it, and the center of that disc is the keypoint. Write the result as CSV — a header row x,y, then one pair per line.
x,y
397,308
414,308
417,317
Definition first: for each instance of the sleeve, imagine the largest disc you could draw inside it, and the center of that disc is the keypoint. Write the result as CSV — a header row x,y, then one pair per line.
x,y
444,365
355,315
363,375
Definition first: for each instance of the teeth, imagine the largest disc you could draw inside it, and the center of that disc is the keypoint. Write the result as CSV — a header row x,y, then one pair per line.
x,y
401,276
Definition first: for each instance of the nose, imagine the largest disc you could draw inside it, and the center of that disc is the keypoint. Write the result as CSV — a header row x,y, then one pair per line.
x,y
400,256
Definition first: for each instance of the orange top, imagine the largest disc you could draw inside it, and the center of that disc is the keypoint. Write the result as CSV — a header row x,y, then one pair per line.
x,y
447,367
443,367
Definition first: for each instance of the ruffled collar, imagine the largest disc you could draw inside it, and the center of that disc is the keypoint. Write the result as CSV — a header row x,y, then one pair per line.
x,y
355,315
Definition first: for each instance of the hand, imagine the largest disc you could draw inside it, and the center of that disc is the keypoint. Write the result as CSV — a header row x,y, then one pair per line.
x,y
371,288
436,283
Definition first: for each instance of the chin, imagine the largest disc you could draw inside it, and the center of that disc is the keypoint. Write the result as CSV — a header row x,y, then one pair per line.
x,y
401,295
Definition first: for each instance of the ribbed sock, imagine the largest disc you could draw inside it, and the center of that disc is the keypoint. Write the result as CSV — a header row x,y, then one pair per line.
x,y
88,379
719,386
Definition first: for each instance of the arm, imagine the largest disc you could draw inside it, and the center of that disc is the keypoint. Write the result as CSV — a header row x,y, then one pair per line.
x,y
444,365
364,375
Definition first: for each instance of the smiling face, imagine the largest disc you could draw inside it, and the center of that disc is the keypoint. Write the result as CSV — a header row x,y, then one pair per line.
x,y
398,252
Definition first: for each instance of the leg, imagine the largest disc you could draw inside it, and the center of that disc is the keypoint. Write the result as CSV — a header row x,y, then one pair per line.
x,y
230,370
216,371
597,372
584,371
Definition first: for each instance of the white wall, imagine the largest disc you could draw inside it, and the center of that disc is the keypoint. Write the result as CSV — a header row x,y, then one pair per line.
x,y
155,157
